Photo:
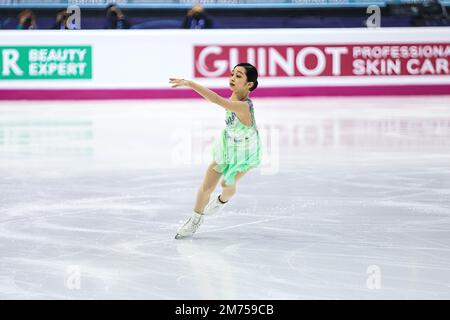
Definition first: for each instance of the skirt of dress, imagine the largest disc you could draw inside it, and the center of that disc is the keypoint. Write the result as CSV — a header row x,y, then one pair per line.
x,y
233,157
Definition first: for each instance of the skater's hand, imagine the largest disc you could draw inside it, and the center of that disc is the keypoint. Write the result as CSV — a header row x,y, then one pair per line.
x,y
179,82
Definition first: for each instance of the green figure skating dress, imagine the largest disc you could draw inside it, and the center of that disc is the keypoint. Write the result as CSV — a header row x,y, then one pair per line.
x,y
238,148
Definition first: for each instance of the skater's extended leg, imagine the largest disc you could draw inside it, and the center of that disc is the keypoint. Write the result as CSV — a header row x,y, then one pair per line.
x,y
209,184
190,226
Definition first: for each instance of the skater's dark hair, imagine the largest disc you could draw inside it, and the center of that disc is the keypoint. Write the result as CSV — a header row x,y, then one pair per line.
x,y
251,73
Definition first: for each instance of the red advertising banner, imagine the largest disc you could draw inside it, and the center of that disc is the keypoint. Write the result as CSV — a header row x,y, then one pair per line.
x,y
411,59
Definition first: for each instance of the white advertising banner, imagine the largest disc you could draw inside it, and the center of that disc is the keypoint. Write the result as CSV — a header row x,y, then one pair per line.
x,y
285,58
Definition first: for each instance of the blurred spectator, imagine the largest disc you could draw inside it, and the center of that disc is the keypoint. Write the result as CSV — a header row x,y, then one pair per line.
x,y
27,20
115,19
61,20
197,19
432,13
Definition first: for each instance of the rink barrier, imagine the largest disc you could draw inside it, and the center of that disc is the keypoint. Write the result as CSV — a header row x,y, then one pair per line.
x,y
90,64
137,94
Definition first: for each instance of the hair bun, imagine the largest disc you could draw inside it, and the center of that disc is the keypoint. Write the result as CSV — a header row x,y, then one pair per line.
x,y
255,85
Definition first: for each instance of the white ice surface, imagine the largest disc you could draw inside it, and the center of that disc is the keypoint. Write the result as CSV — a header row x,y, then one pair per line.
x,y
352,201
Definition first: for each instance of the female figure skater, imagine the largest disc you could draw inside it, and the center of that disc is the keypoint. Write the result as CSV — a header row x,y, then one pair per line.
x,y
237,150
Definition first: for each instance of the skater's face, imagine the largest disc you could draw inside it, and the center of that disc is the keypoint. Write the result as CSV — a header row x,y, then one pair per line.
x,y
238,80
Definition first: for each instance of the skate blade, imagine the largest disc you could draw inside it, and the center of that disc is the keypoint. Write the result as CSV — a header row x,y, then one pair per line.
x,y
179,236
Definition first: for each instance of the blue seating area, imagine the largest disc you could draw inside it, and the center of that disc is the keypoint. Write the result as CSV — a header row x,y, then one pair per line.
x,y
227,18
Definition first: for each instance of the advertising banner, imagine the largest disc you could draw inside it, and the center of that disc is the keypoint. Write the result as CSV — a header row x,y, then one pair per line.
x,y
42,62
137,64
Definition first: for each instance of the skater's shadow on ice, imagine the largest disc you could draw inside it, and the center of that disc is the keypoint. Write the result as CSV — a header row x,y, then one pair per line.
x,y
213,275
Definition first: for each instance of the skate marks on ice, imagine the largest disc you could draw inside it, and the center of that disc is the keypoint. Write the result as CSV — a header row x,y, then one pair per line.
x,y
358,209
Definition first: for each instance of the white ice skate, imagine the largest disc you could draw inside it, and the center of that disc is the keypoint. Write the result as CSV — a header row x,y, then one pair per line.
x,y
190,226
214,206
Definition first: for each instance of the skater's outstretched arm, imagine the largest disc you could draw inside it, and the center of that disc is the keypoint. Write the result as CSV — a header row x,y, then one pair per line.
x,y
235,106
